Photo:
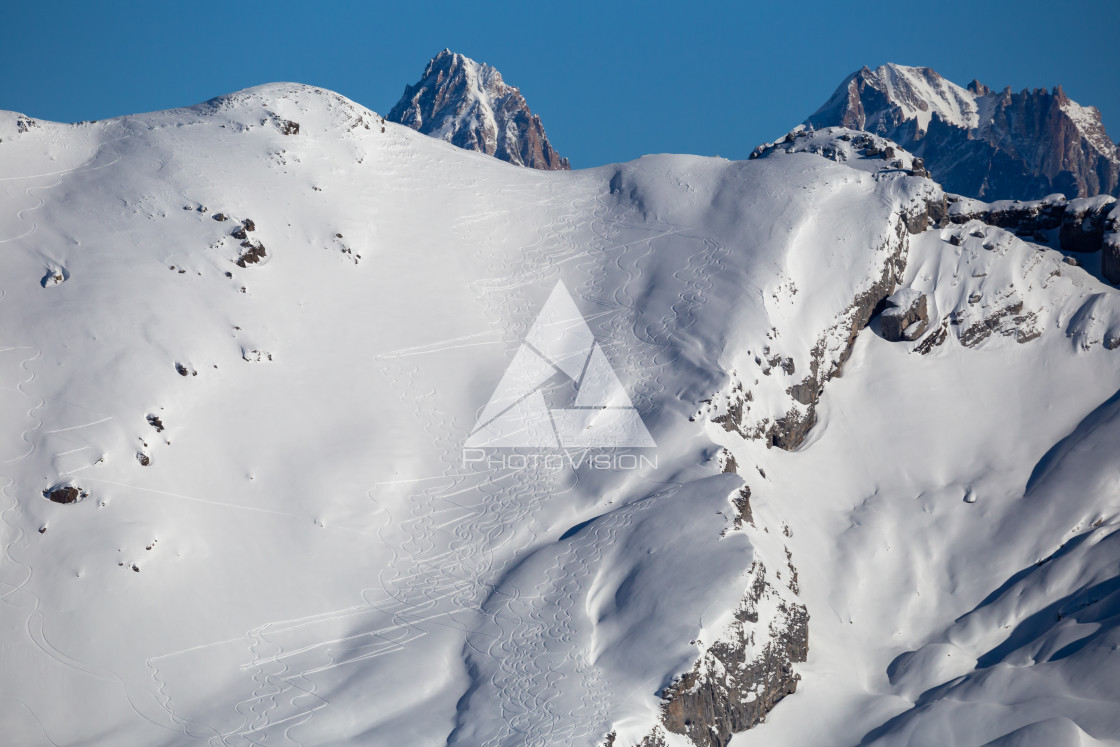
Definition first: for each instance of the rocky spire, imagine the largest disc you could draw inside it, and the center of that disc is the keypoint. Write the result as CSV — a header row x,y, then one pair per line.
x,y
468,104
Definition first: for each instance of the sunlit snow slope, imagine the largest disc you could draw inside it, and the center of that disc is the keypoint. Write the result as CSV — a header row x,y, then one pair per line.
x,y
277,539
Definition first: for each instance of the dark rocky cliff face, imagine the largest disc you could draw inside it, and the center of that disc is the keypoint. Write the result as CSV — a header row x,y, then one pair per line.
x,y
1032,147
741,677
789,431
980,143
468,104
1083,226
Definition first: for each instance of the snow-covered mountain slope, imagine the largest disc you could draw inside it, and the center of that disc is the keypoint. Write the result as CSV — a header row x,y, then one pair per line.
x,y
1086,229
468,104
978,142
254,336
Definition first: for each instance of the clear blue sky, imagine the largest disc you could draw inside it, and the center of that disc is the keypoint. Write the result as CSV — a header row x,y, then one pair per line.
x,y
611,80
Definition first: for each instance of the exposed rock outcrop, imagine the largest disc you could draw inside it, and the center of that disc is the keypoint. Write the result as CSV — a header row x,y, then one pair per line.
x,y
789,431
746,672
867,152
1084,225
287,127
253,253
468,104
1110,258
65,494
1010,320
906,316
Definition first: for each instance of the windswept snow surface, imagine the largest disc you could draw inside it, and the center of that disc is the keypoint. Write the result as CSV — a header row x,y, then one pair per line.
x,y
307,558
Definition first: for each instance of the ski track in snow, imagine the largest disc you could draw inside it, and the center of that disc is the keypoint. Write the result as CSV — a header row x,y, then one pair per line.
x,y
16,592
81,168
526,683
425,584
269,685
19,596
13,588
464,532
34,619
515,624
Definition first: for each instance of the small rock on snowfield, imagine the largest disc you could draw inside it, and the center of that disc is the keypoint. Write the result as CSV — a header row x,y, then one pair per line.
x,y
65,494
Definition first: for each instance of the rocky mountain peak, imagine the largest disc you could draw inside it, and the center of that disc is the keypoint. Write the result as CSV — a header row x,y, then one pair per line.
x,y
469,105
979,142
881,99
977,88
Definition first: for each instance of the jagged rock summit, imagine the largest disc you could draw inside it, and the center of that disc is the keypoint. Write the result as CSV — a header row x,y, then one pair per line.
x,y
978,142
468,104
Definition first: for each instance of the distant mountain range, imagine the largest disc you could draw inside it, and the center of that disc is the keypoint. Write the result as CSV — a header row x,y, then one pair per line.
x,y
468,104
978,142
975,141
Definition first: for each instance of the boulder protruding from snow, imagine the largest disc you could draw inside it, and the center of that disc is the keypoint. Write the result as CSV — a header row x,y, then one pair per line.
x,y
65,494
906,317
